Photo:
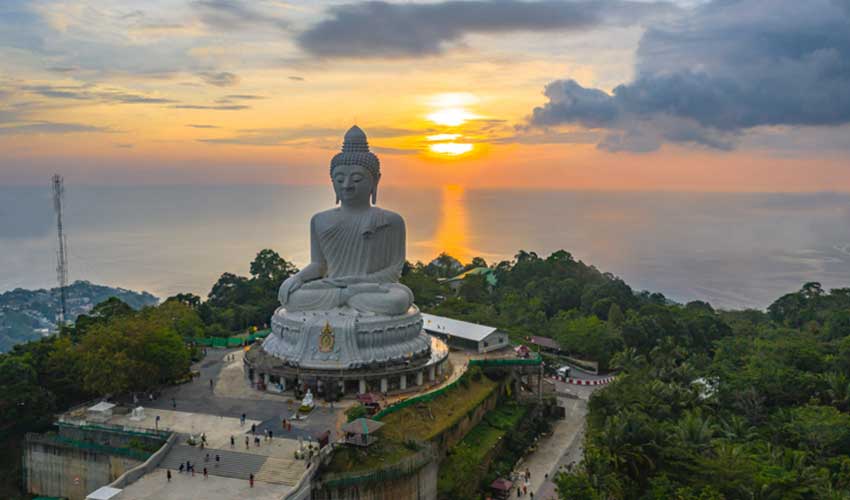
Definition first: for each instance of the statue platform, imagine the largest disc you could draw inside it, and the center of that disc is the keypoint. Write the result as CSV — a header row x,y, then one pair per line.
x,y
343,339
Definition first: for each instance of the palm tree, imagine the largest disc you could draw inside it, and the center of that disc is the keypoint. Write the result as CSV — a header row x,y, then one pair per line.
x,y
628,360
838,389
693,430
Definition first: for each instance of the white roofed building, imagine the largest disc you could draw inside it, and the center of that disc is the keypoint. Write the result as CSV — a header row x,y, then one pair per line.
x,y
465,335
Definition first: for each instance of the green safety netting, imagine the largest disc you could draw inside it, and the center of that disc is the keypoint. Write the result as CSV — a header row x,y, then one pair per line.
x,y
109,450
231,341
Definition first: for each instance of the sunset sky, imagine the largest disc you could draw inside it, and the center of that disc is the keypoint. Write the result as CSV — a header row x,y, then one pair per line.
x,y
731,95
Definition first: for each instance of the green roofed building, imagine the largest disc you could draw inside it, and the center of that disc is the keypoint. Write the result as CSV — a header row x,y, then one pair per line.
x,y
489,276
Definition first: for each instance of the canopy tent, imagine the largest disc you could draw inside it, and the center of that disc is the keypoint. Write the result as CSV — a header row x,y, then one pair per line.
x,y
360,432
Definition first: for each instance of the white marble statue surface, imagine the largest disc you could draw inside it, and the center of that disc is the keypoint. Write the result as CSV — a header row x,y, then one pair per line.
x,y
347,309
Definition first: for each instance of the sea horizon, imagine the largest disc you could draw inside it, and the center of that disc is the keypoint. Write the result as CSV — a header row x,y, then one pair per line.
x,y
732,249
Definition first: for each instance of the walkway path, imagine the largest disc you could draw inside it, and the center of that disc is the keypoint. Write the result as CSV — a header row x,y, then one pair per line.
x,y
563,446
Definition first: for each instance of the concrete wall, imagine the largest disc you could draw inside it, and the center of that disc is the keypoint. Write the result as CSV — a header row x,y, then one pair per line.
x,y
133,475
451,436
422,485
495,341
54,469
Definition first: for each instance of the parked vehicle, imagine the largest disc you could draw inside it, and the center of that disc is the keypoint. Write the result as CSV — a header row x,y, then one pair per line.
x,y
564,371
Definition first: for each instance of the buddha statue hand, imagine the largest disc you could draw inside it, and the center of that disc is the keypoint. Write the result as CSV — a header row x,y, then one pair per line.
x,y
358,288
289,286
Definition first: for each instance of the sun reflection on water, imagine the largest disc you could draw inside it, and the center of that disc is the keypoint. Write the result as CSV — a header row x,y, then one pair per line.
x,y
453,231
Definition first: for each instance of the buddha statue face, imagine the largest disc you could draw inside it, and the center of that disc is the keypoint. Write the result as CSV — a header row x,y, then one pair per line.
x,y
353,184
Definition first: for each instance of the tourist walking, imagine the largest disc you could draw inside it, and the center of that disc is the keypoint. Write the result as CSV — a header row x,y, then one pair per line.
x,y
232,441
211,384
251,480
271,435
242,419
217,459
168,475
180,469
246,443
205,472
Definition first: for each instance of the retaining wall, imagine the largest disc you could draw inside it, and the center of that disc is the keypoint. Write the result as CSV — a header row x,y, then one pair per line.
x,y
145,467
57,469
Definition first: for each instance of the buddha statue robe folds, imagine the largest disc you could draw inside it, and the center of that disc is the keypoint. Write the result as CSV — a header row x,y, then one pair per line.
x,y
346,308
362,255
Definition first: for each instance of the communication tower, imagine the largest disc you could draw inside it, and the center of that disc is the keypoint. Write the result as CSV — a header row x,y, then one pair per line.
x,y
62,257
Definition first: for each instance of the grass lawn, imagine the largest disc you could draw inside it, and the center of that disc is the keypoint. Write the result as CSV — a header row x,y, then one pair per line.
x,y
356,459
419,422
424,421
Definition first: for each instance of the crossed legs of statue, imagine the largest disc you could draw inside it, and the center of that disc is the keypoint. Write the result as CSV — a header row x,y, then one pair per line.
x,y
387,299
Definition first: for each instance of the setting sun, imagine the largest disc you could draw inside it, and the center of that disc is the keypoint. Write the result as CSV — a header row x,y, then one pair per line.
x,y
451,117
443,137
451,148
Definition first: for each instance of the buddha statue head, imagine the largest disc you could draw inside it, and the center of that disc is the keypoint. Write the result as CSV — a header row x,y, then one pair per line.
x,y
356,171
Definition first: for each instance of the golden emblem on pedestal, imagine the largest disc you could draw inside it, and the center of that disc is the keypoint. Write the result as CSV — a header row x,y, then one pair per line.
x,y
326,339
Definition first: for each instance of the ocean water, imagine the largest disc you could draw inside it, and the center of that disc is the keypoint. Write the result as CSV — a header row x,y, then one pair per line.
x,y
733,250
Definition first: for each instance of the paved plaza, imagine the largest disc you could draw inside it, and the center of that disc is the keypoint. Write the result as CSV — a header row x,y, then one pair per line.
x,y
214,410
186,487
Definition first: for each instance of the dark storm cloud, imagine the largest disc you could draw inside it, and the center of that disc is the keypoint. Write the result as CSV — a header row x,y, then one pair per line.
x,y
221,79
382,29
231,15
729,66
570,102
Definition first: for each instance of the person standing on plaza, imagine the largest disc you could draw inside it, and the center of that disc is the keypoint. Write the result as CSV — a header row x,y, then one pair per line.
x,y
168,475
251,480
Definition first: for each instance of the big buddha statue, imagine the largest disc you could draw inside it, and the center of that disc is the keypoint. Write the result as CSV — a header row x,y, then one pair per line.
x,y
346,308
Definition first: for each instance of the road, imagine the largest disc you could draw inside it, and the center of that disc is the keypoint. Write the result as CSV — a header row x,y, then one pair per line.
x,y
564,446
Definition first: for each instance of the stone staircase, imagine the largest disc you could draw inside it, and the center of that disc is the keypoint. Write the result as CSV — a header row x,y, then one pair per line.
x,y
282,471
233,463
236,464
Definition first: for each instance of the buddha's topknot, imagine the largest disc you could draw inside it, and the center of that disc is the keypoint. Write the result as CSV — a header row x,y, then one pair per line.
x,y
355,151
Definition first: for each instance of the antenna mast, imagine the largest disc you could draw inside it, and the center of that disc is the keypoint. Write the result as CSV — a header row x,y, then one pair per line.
x,y
62,258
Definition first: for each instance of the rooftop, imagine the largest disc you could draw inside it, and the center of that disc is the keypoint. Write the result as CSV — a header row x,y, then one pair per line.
x,y
456,328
